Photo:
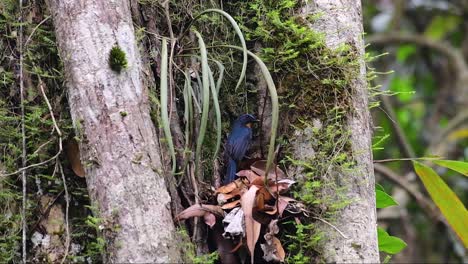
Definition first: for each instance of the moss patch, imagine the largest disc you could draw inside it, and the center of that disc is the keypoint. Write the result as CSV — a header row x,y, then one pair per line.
x,y
41,63
117,59
315,95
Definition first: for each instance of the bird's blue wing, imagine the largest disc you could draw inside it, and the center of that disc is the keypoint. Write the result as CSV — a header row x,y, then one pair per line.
x,y
238,143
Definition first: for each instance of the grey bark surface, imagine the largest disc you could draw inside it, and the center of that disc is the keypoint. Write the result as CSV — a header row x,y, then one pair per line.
x,y
119,147
341,22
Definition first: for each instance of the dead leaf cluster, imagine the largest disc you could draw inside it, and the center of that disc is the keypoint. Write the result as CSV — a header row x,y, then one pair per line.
x,y
245,205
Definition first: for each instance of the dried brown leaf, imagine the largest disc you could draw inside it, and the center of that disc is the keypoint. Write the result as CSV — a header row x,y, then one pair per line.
x,y
271,210
272,250
263,196
73,155
259,181
283,202
279,249
273,227
199,210
210,219
252,227
259,167
250,175
222,198
237,184
230,205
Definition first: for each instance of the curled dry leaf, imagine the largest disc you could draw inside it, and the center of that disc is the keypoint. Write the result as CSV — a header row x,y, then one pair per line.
x,y
230,205
250,175
223,198
297,208
281,187
283,202
270,209
73,155
237,184
259,181
210,219
252,227
272,249
273,227
207,211
259,167
263,196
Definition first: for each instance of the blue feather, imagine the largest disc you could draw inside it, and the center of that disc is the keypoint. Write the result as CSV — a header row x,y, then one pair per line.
x,y
237,144
230,172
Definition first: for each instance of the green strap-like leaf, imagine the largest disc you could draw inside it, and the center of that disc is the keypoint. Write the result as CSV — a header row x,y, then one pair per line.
x,y
458,166
241,38
205,98
214,93
447,201
389,244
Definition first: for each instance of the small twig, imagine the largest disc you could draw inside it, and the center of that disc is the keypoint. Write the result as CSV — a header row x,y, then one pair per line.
x,y
196,222
41,146
194,184
334,227
400,134
67,197
67,205
458,120
402,159
31,166
23,170
41,86
171,57
34,30
23,133
453,54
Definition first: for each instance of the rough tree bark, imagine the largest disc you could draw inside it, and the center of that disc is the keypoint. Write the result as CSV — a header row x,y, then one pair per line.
x,y
119,147
341,22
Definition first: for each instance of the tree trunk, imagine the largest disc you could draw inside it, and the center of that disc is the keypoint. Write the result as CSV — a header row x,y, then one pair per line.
x,y
341,22
119,147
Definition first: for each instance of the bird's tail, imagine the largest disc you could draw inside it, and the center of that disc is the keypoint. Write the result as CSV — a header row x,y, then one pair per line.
x,y
230,172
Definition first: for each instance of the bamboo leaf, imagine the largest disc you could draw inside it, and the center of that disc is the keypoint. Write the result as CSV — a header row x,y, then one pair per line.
x,y
447,201
384,200
389,244
379,187
458,166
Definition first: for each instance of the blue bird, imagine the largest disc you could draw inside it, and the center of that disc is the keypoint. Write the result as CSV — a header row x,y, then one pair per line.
x,y
237,144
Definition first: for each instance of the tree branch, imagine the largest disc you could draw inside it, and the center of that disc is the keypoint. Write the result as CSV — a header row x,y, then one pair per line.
x,y
452,53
